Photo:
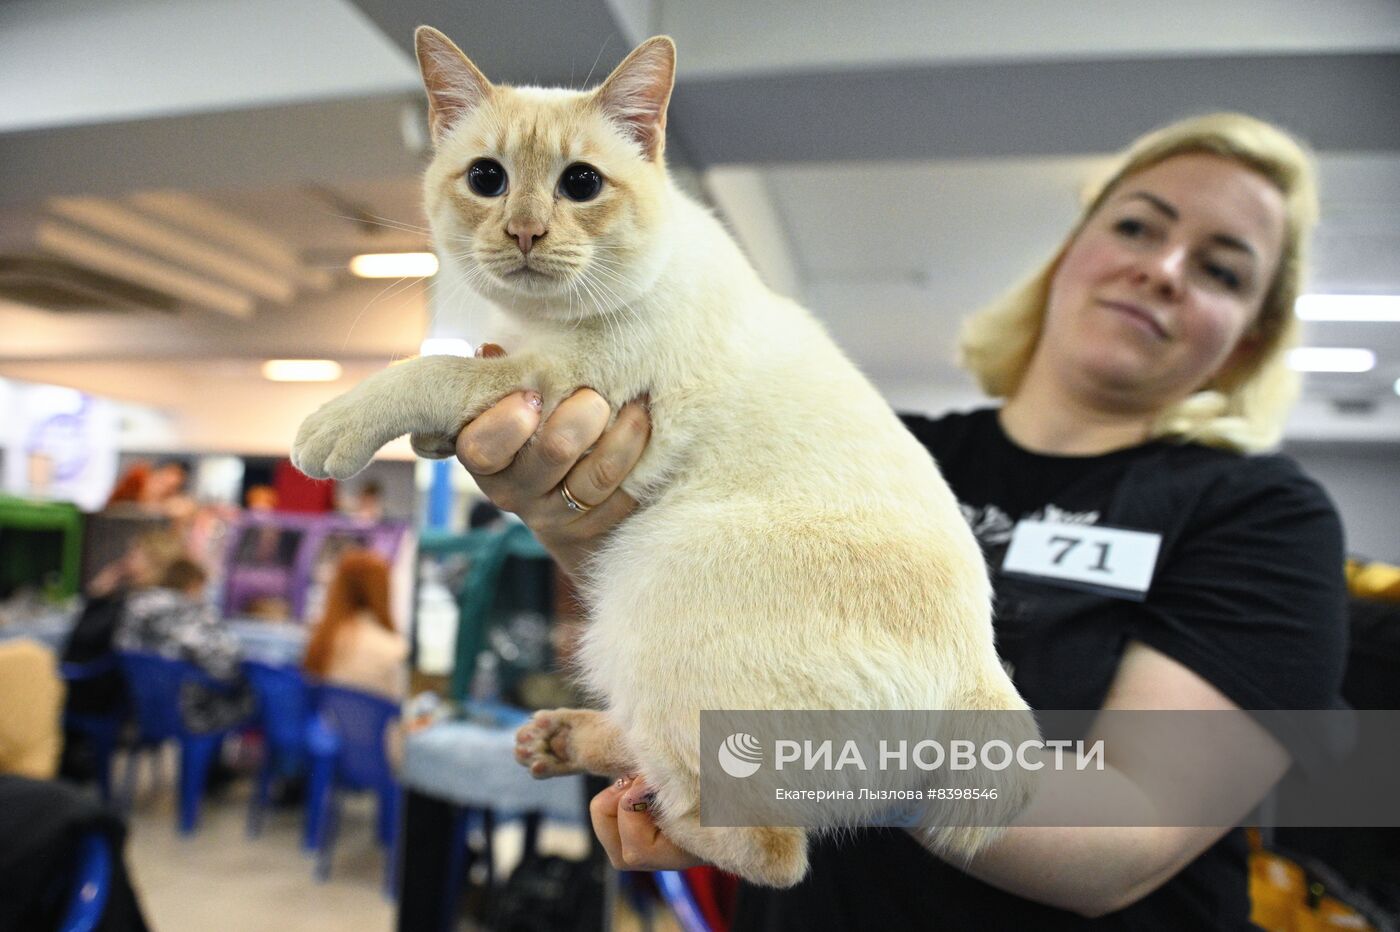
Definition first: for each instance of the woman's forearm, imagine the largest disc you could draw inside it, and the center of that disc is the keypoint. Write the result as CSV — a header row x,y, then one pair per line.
x,y
1086,870
1090,870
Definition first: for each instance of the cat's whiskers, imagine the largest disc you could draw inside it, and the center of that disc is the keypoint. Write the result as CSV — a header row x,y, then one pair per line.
x,y
471,277
615,311
402,285
385,222
627,308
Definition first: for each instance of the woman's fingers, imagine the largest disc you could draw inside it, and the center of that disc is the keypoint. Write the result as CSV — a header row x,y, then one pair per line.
x,y
602,812
571,430
491,441
622,821
601,471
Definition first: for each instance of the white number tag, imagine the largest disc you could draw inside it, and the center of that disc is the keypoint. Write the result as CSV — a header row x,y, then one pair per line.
x,y
1106,559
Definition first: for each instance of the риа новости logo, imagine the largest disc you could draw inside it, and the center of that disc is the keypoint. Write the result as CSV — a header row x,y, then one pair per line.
x,y
740,755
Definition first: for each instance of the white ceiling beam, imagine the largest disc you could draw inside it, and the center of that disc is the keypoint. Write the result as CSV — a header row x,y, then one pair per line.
x,y
199,216
102,255
154,237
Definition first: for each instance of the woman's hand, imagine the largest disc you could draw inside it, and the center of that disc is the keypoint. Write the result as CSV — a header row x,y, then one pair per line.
x,y
622,821
574,448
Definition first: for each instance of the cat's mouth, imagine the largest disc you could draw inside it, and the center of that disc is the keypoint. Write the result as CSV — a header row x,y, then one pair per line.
x,y
529,272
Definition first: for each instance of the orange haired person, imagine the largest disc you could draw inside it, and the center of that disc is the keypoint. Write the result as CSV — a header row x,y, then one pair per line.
x,y
355,643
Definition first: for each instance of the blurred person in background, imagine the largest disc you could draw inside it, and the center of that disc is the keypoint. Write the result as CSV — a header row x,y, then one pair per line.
x,y
172,619
31,709
130,485
368,502
160,488
355,643
260,498
90,643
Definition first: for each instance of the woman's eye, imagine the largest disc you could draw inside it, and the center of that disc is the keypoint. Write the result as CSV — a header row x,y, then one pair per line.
x,y
487,178
1226,276
580,182
1130,228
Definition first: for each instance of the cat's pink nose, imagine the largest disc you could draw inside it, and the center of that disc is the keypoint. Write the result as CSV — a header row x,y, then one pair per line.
x,y
525,232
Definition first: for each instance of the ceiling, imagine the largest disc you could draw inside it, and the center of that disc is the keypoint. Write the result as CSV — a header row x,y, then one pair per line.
x,y
893,169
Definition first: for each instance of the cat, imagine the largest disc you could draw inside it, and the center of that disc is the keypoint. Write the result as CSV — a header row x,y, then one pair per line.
x,y
795,547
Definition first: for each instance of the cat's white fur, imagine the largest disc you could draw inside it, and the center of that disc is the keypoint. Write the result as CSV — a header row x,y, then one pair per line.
x,y
796,547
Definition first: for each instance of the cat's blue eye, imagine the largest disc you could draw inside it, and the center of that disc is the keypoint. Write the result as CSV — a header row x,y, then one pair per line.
x,y
580,182
487,178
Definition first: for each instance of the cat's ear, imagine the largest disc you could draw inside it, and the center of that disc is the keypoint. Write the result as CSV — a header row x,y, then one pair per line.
x,y
455,86
635,95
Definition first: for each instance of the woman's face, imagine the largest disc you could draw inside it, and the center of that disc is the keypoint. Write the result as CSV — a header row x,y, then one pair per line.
x,y
1157,290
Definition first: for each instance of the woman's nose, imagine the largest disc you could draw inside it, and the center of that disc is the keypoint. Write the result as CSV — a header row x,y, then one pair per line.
x,y
1163,269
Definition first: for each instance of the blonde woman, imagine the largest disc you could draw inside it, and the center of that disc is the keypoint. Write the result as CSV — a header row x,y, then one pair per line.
x,y
1142,375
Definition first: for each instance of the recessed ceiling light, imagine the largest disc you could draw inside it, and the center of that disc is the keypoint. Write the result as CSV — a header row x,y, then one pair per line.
x,y
445,346
1365,308
1331,359
394,265
301,370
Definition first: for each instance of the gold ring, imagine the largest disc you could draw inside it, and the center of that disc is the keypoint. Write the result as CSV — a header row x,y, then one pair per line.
x,y
573,503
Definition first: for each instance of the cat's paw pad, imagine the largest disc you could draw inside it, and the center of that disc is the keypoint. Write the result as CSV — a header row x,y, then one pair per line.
x,y
543,745
335,442
433,446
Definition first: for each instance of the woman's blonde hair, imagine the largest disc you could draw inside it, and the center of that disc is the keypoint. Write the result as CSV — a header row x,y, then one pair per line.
x,y
1242,408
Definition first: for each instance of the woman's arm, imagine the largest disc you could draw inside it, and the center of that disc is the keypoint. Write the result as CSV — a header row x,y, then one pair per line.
x,y
1096,870
1090,870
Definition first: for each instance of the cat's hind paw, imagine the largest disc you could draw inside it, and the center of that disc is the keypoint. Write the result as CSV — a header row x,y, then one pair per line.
x,y
544,745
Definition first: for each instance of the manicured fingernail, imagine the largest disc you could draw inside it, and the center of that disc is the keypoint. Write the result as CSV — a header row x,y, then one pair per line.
x,y
534,400
489,351
640,803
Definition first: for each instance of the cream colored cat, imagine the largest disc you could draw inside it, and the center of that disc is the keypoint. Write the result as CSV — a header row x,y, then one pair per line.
x,y
796,548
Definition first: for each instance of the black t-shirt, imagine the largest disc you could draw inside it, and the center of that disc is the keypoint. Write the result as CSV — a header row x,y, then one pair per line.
x,y
1247,592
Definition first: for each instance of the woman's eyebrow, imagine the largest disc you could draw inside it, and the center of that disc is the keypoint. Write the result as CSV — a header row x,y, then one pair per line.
x,y
1165,208
1156,202
1231,242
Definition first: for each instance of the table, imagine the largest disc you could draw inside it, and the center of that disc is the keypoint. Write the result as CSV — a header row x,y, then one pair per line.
x,y
50,629
276,643
450,770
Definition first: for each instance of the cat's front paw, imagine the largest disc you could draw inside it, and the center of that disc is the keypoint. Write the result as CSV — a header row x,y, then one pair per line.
x,y
338,440
545,744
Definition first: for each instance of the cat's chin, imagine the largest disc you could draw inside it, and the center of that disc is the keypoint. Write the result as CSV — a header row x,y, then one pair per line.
x,y
502,284
537,295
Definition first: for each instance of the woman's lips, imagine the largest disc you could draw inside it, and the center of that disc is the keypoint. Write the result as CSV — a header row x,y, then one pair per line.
x,y
1141,314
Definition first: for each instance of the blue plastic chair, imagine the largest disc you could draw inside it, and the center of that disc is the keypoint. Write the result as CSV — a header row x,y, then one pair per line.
x,y
356,759
154,683
102,730
283,714
91,883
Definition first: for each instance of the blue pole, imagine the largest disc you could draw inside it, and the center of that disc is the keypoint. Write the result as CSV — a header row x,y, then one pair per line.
x,y
440,496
